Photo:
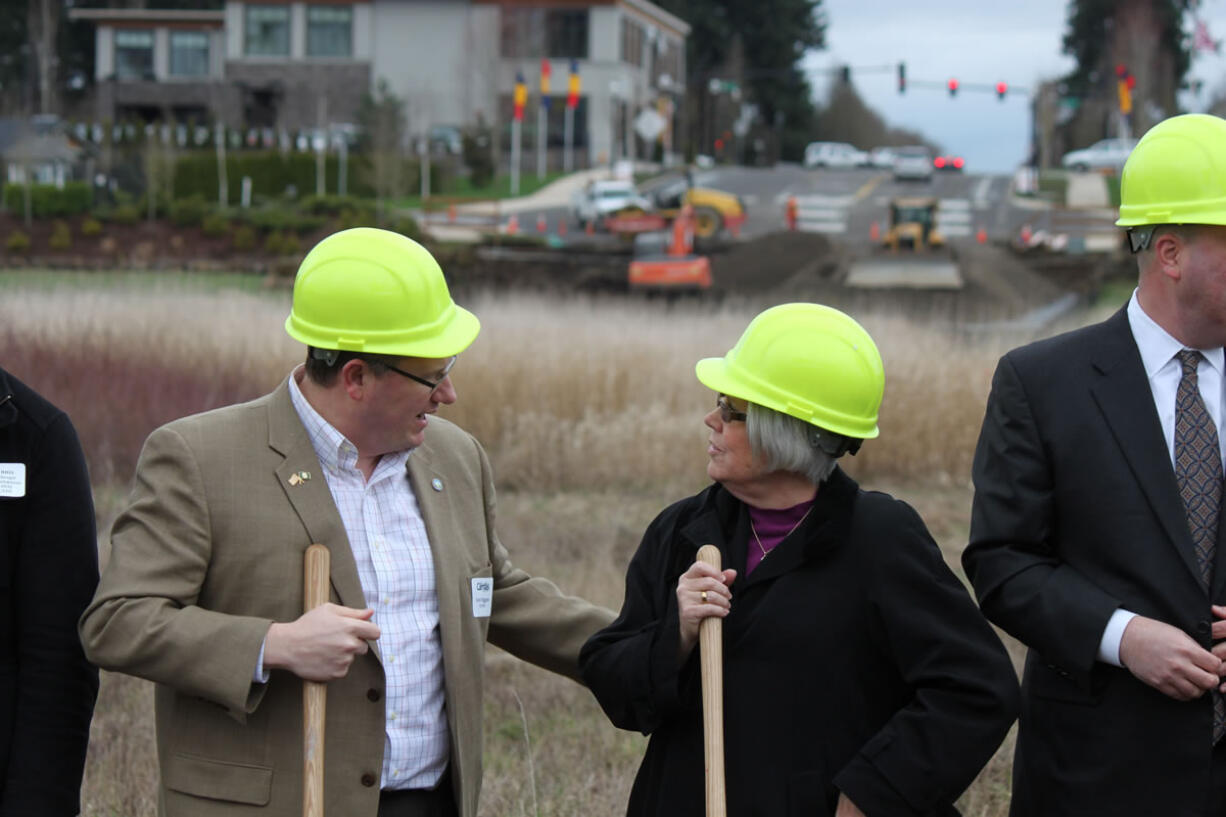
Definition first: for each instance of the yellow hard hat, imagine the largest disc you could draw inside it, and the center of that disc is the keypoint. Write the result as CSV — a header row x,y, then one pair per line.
x,y
1176,174
808,361
379,292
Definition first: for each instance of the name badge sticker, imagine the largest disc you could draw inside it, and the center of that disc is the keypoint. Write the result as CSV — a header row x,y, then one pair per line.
x,y
13,479
483,597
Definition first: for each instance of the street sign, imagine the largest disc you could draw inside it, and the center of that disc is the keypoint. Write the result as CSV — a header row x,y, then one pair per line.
x,y
649,124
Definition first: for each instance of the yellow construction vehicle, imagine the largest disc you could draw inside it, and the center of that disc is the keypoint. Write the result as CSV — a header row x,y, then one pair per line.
x,y
913,225
912,230
714,211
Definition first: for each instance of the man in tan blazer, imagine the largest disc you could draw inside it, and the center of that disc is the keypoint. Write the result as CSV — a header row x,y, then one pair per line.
x,y
203,591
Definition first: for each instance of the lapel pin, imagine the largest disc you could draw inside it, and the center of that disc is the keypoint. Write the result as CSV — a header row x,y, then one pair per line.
x,y
299,477
436,484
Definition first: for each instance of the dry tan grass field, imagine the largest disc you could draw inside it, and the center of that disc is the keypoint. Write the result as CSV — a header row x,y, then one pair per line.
x,y
593,418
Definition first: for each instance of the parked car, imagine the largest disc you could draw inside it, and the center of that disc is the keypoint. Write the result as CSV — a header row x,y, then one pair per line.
x,y
834,154
600,198
913,162
882,157
1108,154
445,139
949,163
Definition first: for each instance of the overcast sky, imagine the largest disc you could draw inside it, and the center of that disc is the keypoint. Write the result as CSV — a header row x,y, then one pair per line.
x,y
977,41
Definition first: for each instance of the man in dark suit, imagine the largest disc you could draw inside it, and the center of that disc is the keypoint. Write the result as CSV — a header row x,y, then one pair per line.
x,y
1094,531
48,573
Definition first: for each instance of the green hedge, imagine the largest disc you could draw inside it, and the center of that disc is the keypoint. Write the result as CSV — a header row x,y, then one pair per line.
x,y
49,201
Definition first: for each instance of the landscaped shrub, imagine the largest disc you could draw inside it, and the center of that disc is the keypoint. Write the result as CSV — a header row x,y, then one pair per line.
x,y
330,205
91,227
359,217
283,219
291,244
125,214
274,242
244,238
215,225
189,212
407,226
49,201
61,236
271,172
17,242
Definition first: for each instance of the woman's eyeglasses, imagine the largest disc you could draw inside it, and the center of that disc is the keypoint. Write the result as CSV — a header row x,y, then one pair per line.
x,y
727,413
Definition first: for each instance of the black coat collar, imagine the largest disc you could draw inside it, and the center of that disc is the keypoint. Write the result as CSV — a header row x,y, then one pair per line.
x,y
723,520
8,407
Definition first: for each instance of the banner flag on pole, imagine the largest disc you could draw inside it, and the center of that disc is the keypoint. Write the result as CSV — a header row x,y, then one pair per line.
x,y
521,96
572,85
546,70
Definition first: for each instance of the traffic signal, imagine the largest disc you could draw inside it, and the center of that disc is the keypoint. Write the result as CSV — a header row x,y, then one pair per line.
x,y
902,77
846,74
953,87
1002,88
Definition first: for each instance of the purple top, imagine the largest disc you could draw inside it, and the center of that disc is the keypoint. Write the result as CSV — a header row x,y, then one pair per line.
x,y
772,527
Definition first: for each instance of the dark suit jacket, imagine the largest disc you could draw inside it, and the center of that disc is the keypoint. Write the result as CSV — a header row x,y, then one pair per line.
x,y
1076,513
854,661
48,572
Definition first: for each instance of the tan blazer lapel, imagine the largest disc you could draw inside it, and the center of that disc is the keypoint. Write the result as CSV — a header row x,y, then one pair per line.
x,y
310,497
430,486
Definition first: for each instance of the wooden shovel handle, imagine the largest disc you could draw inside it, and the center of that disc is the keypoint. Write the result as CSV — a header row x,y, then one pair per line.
x,y
314,693
711,650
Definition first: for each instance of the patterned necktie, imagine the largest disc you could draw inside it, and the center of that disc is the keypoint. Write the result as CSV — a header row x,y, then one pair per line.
x,y
1198,470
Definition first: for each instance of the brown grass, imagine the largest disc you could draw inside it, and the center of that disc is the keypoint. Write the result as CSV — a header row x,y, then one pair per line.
x,y
593,418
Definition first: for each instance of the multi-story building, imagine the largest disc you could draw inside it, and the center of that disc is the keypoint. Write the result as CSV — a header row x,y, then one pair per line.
x,y
294,64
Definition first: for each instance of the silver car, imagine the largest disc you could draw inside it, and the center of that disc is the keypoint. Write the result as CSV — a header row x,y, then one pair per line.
x,y
1108,154
912,163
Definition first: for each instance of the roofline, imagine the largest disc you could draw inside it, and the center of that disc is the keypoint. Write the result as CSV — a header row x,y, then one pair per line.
x,y
667,18
148,15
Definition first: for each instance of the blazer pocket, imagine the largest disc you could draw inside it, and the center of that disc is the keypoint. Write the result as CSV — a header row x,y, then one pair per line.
x,y
219,780
1046,682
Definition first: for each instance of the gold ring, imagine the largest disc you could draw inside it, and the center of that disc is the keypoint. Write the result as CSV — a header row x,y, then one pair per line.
x,y
704,597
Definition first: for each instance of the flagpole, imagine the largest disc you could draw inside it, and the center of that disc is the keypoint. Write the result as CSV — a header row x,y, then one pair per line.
x,y
515,135
542,122
568,158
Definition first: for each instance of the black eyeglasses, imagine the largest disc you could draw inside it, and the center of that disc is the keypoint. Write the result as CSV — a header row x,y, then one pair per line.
x,y
433,386
727,413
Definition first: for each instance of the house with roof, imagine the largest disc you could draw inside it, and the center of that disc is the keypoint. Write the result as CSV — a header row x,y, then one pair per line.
x,y
295,64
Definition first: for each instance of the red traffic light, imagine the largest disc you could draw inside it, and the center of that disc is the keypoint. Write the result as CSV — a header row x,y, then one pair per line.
x,y
1002,88
1121,70
938,162
719,144
902,77
953,87
1131,82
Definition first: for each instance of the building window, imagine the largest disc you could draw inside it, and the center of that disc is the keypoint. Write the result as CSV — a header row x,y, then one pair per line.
x,y
189,54
134,54
633,35
329,31
544,32
267,31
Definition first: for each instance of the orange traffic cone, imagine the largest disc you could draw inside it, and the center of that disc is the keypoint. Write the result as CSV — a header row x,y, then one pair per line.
x,y
1026,233
590,229
874,232
982,236
513,224
790,213
540,223
451,212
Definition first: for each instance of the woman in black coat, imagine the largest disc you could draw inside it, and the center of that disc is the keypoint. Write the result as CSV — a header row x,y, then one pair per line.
x,y
859,677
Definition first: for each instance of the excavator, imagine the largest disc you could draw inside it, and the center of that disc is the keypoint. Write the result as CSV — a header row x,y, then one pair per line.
x,y
713,211
912,254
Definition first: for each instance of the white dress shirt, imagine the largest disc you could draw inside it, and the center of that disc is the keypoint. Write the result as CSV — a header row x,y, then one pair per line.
x,y
396,568
1163,370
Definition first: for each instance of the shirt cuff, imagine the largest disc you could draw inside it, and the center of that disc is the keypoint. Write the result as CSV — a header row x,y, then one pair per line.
x,y
261,676
1109,647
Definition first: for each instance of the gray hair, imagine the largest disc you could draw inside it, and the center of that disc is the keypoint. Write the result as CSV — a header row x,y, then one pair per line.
x,y
787,443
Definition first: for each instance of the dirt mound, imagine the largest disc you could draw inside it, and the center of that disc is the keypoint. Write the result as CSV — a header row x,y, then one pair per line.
x,y
767,262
